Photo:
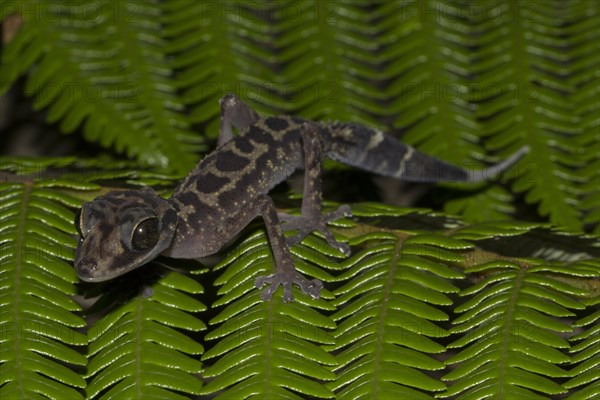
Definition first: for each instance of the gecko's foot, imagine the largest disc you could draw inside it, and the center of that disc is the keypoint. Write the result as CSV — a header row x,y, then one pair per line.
x,y
305,225
287,279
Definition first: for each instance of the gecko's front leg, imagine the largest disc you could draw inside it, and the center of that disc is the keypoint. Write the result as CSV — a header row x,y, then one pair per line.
x,y
285,273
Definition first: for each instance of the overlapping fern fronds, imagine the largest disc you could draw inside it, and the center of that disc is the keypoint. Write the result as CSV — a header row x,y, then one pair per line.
x,y
139,350
585,357
467,82
388,316
42,348
259,342
382,328
510,330
40,342
394,300
426,304
102,66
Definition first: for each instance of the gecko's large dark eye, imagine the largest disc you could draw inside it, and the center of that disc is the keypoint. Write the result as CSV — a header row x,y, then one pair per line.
x,y
145,235
77,222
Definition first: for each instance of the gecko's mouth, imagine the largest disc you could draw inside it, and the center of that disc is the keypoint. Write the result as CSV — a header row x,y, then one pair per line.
x,y
95,269
85,270
88,271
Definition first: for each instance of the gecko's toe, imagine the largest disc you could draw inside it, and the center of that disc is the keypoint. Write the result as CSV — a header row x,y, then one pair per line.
x,y
312,288
262,280
147,291
344,248
288,296
267,292
342,211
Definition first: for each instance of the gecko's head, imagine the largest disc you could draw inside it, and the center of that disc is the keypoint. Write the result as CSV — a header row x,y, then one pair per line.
x,y
121,231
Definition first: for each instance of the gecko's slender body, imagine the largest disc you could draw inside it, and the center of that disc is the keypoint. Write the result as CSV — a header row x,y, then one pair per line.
x,y
121,231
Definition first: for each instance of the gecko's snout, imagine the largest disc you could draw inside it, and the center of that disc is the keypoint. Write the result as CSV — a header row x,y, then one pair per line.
x,y
85,269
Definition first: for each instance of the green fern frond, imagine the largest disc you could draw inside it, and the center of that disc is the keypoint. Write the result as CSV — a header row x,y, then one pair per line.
x,y
510,330
590,196
40,338
138,349
532,103
116,82
388,320
467,82
437,101
145,333
393,298
490,204
259,342
585,350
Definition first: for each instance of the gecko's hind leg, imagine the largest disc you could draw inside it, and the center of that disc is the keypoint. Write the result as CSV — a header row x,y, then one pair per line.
x,y
236,113
311,218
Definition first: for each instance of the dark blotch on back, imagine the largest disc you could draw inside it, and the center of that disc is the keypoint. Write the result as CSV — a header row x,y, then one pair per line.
x,y
210,183
243,144
276,124
229,161
188,199
259,135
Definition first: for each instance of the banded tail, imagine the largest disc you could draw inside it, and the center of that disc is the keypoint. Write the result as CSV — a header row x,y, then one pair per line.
x,y
376,152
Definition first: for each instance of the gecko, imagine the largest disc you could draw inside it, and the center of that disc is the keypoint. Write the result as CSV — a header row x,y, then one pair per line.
x,y
123,230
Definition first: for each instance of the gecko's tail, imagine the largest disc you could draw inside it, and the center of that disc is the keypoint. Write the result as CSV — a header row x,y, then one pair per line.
x,y
376,152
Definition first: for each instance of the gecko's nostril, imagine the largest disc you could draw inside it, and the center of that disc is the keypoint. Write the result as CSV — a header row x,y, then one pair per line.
x,y
85,268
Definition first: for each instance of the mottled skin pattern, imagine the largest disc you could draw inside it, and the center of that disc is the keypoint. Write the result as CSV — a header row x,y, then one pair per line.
x,y
121,231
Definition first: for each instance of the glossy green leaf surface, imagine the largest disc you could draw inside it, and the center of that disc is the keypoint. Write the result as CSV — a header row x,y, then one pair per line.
x,y
468,83
495,295
40,343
